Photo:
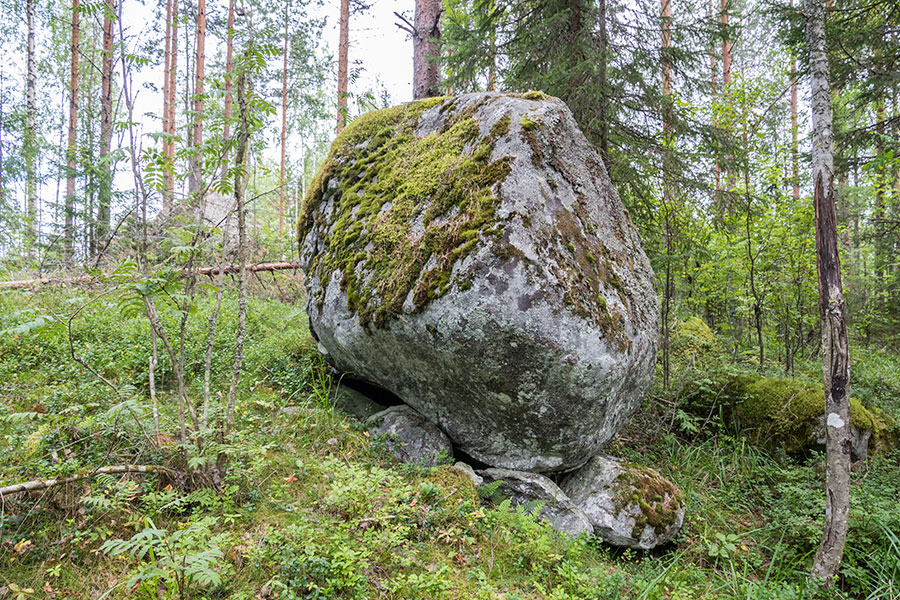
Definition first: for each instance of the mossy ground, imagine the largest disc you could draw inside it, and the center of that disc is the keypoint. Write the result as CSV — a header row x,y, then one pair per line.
x,y
387,180
314,509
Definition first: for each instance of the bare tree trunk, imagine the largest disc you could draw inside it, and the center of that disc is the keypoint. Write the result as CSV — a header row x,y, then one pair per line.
x,y
426,69
343,51
169,197
282,192
211,333
726,44
795,153
713,65
104,193
167,66
151,374
835,346
240,183
668,191
30,138
68,228
195,174
603,41
229,70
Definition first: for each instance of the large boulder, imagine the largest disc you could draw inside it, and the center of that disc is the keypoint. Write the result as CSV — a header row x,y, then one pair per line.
x,y
628,505
470,255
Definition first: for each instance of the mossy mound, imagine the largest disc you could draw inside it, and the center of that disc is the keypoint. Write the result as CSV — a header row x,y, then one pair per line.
x,y
384,179
780,412
657,500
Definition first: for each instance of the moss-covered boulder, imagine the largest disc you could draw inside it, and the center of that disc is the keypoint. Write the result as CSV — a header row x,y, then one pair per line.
x,y
470,255
781,412
628,505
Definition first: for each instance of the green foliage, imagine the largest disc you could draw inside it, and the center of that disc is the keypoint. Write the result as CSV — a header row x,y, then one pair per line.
x,y
181,562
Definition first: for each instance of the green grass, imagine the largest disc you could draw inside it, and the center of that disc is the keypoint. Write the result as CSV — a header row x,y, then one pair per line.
x,y
313,508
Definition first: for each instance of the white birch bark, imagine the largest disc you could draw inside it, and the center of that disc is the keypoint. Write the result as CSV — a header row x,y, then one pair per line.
x,y
835,351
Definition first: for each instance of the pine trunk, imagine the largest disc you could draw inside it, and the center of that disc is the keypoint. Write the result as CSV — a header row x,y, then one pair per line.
x,y
104,193
835,350
195,176
795,154
426,69
229,70
69,231
167,60
343,51
173,87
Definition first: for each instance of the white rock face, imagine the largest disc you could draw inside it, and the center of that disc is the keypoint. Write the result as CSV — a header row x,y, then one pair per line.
x,y
518,314
627,505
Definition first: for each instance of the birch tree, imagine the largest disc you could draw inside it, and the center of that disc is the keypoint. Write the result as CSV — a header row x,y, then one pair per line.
x,y
835,350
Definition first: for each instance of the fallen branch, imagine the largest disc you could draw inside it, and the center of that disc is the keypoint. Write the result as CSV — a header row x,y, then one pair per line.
x,y
43,484
230,269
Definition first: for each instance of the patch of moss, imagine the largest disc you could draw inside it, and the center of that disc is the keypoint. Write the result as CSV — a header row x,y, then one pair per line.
x,y
533,95
406,208
501,127
657,499
784,412
527,124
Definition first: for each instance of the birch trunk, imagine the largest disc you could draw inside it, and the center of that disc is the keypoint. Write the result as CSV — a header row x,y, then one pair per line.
x,y
835,350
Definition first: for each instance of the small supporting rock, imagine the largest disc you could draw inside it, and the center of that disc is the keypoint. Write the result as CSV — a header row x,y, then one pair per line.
x,y
627,505
410,436
529,488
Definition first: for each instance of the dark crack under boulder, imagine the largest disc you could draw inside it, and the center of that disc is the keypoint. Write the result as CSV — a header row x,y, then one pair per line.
x,y
470,255
628,505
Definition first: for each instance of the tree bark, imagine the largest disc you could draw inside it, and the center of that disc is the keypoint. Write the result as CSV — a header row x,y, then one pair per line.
x,y
229,70
43,484
426,69
30,138
795,153
835,347
68,228
167,65
169,196
726,44
343,51
282,192
195,175
104,193
668,191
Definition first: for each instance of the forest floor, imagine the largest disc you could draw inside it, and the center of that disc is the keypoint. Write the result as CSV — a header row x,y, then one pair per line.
x,y
312,507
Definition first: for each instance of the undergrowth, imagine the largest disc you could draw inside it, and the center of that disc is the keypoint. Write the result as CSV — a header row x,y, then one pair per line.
x,y
312,509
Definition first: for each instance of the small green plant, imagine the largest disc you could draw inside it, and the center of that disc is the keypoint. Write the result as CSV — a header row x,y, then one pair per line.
x,y
178,562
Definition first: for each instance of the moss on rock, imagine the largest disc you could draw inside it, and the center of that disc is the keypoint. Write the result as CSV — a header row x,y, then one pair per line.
x,y
651,499
383,179
782,412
